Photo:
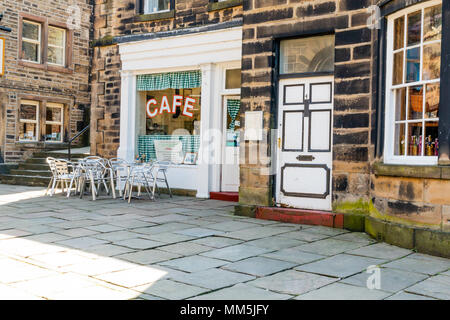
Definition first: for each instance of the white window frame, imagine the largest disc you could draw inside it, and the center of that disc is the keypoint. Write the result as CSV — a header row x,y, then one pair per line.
x,y
38,42
60,47
147,11
36,121
60,123
390,121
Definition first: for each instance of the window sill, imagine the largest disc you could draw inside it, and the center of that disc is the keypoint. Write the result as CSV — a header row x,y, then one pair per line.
x,y
45,67
410,171
213,6
155,16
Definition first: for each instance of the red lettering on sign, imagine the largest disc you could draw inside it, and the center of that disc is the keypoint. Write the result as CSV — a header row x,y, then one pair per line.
x,y
153,113
188,105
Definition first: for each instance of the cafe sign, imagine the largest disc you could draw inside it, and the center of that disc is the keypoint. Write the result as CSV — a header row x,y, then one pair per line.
x,y
155,107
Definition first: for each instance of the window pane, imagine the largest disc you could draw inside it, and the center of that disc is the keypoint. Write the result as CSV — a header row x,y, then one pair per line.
x,y
432,23
314,54
28,112
399,144
30,51
56,55
399,33
151,6
53,114
52,132
432,100
30,31
56,36
415,139
27,131
400,104
431,139
233,79
432,61
414,28
413,65
415,102
398,68
175,115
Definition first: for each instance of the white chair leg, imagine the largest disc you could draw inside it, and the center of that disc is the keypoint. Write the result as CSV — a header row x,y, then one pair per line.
x,y
52,192
49,184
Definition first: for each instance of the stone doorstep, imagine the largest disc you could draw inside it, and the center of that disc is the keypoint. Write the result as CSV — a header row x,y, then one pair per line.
x,y
300,216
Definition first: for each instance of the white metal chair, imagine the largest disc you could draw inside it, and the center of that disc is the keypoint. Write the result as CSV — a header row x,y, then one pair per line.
x,y
94,171
120,169
161,176
140,176
62,174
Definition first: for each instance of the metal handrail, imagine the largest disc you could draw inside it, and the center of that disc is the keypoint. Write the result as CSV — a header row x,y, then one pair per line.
x,y
76,136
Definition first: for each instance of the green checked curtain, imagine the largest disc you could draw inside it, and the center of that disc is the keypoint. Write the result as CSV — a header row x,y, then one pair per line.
x,y
233,106
146,144
172,80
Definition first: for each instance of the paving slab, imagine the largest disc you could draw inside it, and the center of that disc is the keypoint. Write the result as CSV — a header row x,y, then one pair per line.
x,y
236,252
292,282
402,295
115,236
185,248
148,256
81,243
194,263
134,277
198,232
391,280
168,237
243,291
304,236
421,264
341,291
326,230
213,278
340,266
231,225
217,241
381,251
361,237
259,232
259,266
294,255
172,290
276,243
436,287
329,247
109,250
138,243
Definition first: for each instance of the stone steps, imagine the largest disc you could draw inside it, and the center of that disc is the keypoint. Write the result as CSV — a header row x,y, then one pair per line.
x,y
34,171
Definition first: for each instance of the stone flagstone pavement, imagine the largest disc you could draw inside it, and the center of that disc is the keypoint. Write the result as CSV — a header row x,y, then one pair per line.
x,y
187,248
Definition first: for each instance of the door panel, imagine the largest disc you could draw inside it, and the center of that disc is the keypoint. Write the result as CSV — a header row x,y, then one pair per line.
x,y
304,157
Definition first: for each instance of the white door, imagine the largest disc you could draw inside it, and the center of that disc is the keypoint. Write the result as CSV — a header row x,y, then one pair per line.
x,y
230,160
304,157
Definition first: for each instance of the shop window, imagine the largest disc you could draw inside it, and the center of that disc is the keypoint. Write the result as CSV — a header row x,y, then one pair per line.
x,y
56,46
31,41
28,121
413,84
54,122
154,6
307,55
233,79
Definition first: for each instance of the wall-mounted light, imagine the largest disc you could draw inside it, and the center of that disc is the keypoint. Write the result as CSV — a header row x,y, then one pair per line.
x,y
2,28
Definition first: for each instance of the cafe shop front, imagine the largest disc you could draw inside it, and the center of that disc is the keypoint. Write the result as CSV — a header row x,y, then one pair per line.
x,y
180,100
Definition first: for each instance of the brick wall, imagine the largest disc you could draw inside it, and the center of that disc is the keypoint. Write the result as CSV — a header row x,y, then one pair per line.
x,y
115,18
267,20
20,81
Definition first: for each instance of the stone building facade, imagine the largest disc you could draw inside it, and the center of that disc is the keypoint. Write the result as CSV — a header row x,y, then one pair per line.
x,y
44,91
371,171
117,20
